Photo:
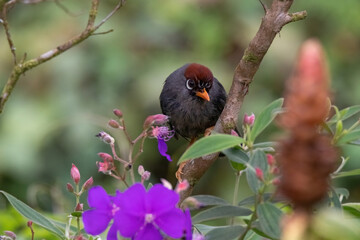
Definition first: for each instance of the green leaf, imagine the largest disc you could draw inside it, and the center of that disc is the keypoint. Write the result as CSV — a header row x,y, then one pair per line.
x,y
237,157
251,235
211,144
345,114
225,233
204,229
33,215
342,191
269,218
349,137
220,212
352,208
210,200
266,117
354,172
251,200
257,160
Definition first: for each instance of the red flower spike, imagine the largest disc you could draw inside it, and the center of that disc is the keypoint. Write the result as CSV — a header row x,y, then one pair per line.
x,y
75,174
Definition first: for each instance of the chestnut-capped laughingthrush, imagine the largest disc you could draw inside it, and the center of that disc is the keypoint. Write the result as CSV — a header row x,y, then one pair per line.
x,y
193,99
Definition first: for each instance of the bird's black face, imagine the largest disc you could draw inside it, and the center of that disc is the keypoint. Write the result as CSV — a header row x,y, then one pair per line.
x,y
199,80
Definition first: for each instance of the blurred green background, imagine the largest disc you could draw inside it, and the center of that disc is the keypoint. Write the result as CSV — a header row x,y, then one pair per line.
x,y
57,108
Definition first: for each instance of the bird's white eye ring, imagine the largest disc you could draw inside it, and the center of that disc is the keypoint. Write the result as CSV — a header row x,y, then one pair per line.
x,y
190,84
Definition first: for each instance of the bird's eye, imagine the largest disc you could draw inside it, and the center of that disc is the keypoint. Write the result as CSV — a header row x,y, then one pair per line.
x,y
207,85
190,84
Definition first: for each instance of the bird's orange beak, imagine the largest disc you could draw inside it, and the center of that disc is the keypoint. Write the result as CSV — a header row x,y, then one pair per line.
x,y
203,94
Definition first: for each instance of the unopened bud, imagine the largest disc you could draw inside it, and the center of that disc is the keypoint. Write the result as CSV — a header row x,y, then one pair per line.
x,y
141,170
87,185
234,133
158,119
29,224
270,159
106,137
275,170
75,174
259,174
146,175
10,234
118,113
105,156
249,120
198,236
70,188
114,124
166,183
79,207
276,181
182,186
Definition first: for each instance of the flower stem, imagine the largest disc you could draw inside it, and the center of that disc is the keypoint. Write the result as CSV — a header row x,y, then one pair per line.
x,y
236,191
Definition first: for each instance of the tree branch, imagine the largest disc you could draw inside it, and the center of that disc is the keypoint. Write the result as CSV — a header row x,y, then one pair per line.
x,y
275,18
21,68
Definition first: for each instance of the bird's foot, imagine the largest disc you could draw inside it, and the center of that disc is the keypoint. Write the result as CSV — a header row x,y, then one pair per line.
x,y
208,131
179,171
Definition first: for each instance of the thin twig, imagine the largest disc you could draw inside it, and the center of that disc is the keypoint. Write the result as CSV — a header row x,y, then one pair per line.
x,y
5,23
116,156
105,32
20,69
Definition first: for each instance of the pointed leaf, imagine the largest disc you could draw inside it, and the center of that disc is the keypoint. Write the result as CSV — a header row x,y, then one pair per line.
x,y
225,233
269,219
351,136
354,172
33,215
352,208
211,144
345,114
251,200
220,212
237,157
342,191
209,200
257,160
266,117
204,229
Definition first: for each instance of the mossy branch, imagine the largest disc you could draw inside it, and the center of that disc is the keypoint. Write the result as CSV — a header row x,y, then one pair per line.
x,y
23,66
276,16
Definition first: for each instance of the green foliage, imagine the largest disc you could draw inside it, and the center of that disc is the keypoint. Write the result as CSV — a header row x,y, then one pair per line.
x,y
211,144
257,160
269,218
222,211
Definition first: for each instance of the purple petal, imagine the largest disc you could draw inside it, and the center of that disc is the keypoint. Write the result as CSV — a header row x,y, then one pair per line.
x,y
148,232
161,199
172,223
98,198
96,221
132,200
188,226
112,233
163,149
128,224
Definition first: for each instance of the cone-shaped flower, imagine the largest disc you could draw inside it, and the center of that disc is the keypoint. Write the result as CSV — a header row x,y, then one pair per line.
x,y
146,215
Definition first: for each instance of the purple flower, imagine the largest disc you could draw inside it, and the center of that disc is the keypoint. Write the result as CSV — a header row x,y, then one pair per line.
x,y
102,211
188,226
149,215
163,134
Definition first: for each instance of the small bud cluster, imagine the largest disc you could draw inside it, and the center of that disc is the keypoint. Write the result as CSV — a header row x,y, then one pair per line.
x,y
145,175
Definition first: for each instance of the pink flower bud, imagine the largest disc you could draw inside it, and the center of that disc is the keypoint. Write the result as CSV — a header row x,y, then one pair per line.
x,y
118,113
259,174
276,181
29,224
75,174
146,175
234,133
249,120
275,170
182,186
166,183
70,188
107,138
79,207
141,170
114,124
87,185
105,156
270,159
158,119
198,236
10,234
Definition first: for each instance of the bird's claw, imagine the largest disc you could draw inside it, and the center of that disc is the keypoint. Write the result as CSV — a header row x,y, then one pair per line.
x,y
179,172
208,131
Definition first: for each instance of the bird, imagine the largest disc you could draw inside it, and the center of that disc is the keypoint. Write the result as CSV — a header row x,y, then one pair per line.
x,y
193,99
